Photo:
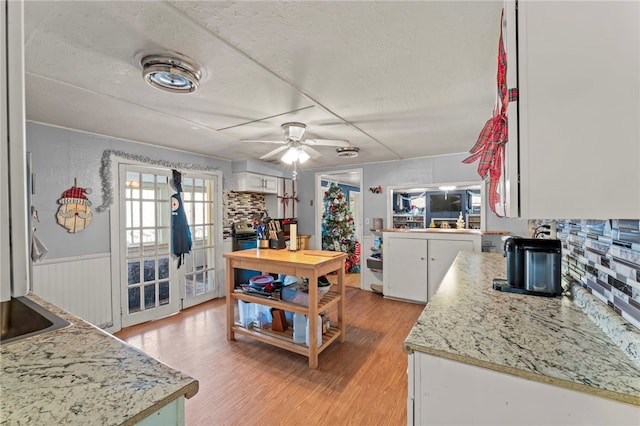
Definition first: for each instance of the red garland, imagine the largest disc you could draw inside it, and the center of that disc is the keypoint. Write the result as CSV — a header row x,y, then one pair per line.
x,y
285,200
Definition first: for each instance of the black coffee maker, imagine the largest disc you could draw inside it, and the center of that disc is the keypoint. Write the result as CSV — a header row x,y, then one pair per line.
x,y
533,267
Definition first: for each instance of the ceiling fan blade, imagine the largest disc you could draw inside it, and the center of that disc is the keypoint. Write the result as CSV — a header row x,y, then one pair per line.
x,y
327,142
312,152
274,152
260,141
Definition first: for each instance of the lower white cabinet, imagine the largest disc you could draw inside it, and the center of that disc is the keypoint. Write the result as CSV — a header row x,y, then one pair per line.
x,y
442,253
405,267
415,263
447,392
169,415
253,182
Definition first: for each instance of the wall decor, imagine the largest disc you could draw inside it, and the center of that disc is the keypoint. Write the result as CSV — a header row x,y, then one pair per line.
x,y
107,177
376,189
74,213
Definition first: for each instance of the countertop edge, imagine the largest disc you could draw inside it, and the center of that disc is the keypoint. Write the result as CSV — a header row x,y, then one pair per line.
x,y
188,388
188,391
454,231
620,397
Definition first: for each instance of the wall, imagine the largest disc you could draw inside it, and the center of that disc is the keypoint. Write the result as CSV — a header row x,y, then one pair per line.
x,y
59,156
603,256
429,170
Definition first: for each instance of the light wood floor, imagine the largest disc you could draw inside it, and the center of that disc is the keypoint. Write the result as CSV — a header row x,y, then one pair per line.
x,y
362,381
350,280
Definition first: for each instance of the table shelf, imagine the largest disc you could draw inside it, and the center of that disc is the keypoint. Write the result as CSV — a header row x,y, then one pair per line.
x,y
330,299
284,339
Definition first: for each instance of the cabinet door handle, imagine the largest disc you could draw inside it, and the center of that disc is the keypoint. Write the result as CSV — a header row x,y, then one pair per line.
x,y
433,258
422,258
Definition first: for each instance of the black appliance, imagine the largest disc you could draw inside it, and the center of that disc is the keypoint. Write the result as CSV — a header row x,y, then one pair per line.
x,y
533,267
244,236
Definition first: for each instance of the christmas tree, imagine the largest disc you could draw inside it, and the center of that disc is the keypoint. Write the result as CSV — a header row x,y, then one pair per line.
x,y
338,227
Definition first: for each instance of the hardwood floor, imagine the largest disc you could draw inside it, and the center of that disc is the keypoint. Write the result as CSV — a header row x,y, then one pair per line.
x,y
350,280
362,381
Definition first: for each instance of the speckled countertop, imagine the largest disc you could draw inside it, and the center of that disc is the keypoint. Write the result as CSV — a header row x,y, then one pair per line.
x,y
549,340
80,375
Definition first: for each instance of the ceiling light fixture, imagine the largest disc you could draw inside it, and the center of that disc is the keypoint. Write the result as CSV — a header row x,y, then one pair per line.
x,y
170,73
347,151
293,154
447,188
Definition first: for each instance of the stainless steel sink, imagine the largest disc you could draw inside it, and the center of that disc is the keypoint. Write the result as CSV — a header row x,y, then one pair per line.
x,y
22,318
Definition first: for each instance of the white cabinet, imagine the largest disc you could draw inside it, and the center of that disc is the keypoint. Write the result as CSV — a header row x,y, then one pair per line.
x,y
170,414
405,267
253,182
579,103
439,387
442,253
416,263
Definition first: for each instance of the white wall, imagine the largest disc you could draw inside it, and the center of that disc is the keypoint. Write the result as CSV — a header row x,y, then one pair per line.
x,y
428,170
59,156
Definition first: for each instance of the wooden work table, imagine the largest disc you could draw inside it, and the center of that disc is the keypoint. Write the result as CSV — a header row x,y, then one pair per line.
x,y
304,263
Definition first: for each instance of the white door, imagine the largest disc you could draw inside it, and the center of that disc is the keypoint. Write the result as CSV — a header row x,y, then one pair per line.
x,y
150,287
442,253
355,201
199,195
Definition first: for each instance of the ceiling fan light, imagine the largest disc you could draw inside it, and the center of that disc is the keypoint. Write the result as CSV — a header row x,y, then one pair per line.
x,y
290,156
303,156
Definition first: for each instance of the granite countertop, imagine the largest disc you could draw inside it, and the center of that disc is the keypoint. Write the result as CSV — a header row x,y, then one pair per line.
x,y
441,231
82,375
549,340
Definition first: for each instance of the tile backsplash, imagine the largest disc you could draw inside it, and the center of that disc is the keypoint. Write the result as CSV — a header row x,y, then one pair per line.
x,y
603,256
240,206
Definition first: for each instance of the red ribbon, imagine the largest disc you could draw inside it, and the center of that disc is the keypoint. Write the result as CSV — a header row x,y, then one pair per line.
x,y
489,148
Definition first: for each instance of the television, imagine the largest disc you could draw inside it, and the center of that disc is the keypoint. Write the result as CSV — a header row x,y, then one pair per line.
x,y
445,203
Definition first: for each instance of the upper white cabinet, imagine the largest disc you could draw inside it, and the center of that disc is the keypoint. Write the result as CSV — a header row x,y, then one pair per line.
x,y
579,108
253,182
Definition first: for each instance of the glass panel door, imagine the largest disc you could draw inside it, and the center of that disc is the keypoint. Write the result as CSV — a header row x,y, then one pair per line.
x,y
199,195
150,286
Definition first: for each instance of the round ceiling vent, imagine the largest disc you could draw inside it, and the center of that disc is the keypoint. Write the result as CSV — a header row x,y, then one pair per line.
x,y
170,73
348,151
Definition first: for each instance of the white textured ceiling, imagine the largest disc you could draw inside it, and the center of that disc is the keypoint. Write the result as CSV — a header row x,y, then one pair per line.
x,y
398,79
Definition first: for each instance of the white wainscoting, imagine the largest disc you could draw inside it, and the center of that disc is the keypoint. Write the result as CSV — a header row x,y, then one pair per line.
x,y
80,285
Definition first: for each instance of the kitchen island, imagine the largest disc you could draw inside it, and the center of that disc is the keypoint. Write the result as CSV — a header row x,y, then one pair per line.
x,y
80,375
310,264
513,359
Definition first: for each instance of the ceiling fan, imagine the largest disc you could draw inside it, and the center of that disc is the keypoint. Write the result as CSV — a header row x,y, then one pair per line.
x,y
298,149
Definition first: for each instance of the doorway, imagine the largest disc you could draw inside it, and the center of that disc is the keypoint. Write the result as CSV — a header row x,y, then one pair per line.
x,y
151,285
350,182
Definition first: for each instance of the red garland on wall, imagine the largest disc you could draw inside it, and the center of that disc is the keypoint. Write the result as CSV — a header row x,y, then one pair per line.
x,y
284,199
